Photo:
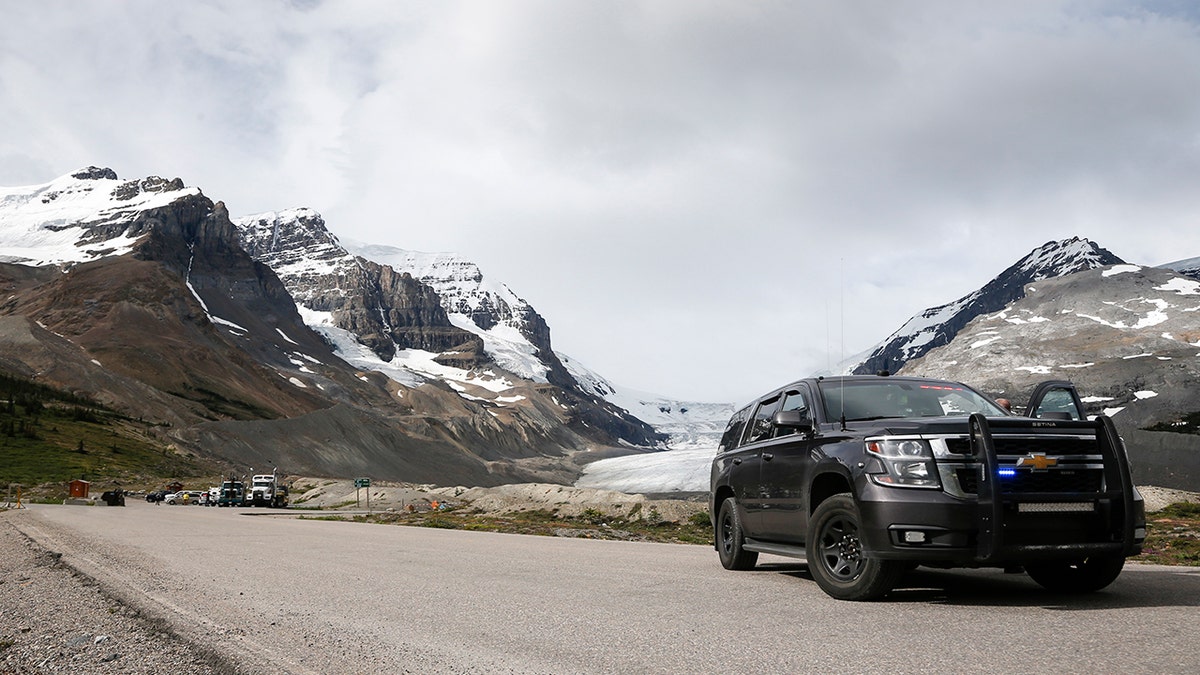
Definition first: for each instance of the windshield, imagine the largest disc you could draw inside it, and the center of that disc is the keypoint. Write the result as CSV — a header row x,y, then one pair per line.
x,y
882,398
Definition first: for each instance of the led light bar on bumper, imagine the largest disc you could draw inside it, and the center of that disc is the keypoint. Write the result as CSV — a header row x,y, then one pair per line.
x,y
908,462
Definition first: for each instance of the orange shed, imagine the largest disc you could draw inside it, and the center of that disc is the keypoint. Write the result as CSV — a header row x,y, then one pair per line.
x,y
79,489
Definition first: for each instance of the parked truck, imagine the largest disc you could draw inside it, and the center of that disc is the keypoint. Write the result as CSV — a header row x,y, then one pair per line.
x,y
267,490
233,493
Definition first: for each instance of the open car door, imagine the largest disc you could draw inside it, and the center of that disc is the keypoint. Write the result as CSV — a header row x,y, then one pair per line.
x,y
1056,400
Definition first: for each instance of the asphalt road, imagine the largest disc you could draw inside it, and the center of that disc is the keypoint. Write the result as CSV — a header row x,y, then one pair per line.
x,y
311,596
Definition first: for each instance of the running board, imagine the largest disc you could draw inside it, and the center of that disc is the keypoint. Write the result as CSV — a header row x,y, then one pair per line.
x,y
788,550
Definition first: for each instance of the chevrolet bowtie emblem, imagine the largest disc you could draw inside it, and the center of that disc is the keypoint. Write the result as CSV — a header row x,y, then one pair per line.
x,y
1037,461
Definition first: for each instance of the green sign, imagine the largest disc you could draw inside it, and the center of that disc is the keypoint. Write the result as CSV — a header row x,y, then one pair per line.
x,y
362,482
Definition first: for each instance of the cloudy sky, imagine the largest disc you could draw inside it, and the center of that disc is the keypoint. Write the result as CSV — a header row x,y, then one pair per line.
x,y
704,199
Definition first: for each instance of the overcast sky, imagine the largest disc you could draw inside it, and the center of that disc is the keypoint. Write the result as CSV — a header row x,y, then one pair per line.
x,y
703,199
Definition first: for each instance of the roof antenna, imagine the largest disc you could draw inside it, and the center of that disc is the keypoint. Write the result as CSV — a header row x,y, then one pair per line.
x,y
842,312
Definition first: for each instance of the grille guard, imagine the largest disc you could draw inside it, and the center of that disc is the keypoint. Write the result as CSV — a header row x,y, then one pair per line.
x,y
991,500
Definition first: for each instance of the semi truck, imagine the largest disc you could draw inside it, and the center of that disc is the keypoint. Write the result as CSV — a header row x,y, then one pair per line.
x,y
267,490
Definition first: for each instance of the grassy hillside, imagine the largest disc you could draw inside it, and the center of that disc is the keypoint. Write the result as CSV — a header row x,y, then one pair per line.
x,y
48,437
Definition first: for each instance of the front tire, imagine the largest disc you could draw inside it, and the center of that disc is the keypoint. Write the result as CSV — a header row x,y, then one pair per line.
x,y
1084,576
731,537
835,557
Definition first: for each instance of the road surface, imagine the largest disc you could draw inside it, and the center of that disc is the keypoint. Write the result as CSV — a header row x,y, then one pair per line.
x,y
282,594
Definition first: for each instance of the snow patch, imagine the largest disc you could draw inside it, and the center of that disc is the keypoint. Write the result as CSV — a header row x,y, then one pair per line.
x,y
1181,286
983,342
1120,269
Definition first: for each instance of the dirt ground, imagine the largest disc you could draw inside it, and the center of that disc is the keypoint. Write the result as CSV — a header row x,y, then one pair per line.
x,y
317,493
561,499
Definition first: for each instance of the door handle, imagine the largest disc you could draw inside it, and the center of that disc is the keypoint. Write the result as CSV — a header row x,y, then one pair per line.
x,y
767,456
737,460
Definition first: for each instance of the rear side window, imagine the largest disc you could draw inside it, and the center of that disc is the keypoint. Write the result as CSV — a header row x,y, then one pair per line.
x,y
733,430
760,425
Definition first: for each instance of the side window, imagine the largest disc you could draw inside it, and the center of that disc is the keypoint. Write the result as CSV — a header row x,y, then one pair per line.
x,y
1058,403
793,400
760,425
733,430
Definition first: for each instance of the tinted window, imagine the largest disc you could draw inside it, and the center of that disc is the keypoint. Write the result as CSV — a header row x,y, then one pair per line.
x,y
733,430
793,400
760,425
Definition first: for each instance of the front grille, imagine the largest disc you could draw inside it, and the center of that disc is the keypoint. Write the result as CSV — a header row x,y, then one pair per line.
x,y
1025,481
1078,468
1017,445
1049,445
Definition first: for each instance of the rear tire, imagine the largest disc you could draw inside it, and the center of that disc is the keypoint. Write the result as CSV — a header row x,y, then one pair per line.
x,y
1084,576
835,557
730,538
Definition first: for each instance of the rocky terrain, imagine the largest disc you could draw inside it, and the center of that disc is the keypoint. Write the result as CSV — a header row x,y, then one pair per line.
x,y
563,500
1126,335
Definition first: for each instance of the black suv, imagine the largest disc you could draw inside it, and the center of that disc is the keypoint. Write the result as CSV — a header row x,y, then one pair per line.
x,y
868,477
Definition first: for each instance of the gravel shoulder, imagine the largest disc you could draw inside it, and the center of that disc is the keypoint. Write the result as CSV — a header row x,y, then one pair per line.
x,y
55,619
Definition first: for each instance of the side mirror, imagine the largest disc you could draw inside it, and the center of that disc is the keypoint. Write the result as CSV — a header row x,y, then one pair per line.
x,y
794,419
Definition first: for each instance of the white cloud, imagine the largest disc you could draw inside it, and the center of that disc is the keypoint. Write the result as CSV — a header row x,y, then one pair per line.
x,y
702,198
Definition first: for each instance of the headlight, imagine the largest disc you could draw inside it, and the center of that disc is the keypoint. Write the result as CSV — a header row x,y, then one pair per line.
x,y
908,461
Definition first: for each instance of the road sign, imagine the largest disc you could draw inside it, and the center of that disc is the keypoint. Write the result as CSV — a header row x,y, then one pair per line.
x,y
362,482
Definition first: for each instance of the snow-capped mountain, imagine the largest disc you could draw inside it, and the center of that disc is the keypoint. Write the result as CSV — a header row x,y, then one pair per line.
x,y
342,287
1127,336
513,333
142,296
426,318
937,326
84,216
1189,267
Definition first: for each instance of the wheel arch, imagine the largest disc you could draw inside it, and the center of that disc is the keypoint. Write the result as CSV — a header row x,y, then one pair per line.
x,y
722,493
826,485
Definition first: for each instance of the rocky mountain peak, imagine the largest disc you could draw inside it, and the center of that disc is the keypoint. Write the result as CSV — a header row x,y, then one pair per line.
x,y
1058,258
95,173
386,310
937,326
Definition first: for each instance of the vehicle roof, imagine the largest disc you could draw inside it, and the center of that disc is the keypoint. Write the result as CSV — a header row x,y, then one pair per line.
x,y
815,381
